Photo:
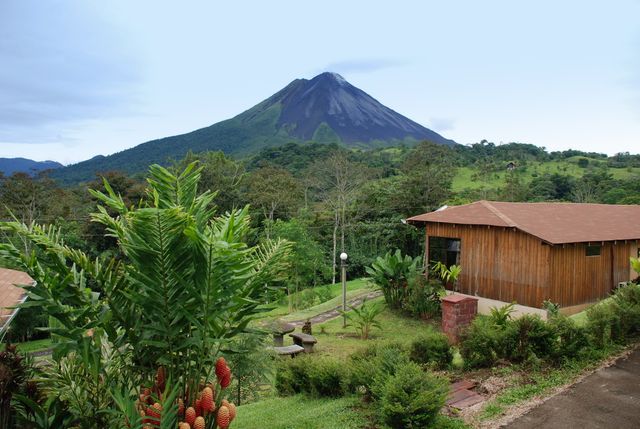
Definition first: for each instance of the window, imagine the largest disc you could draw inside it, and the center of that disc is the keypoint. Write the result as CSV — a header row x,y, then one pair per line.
x,y
445,250
593,250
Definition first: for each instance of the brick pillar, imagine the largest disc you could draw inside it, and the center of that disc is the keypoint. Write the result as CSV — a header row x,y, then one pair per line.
x,y
457,312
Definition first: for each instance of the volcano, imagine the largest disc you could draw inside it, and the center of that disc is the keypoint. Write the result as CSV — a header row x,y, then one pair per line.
x,y
325,109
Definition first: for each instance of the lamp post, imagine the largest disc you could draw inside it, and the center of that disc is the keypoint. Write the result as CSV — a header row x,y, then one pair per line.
x,y
343,266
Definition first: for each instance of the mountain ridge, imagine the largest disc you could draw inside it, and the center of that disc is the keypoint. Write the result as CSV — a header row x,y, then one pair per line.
x,y
9,166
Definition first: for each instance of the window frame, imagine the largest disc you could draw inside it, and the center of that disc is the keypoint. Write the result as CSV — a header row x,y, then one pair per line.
x,y
589,248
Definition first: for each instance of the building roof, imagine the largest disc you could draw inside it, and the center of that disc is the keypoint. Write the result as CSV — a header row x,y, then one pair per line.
x,y
555,223
10,294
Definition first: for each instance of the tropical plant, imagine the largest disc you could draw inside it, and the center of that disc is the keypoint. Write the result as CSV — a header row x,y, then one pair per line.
x,y
12,376
391,273
187,284
552,308
252,366
635,265
446,274
423,298
501,316
364,318
52,414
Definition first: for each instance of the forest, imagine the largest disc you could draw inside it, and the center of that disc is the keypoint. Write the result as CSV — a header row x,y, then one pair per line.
x,y
326,199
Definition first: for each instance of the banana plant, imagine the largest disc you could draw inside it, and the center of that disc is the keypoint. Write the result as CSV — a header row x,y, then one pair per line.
x,y
391,273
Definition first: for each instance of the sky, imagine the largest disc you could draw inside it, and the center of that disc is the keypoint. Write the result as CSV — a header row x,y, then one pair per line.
x,y
80,78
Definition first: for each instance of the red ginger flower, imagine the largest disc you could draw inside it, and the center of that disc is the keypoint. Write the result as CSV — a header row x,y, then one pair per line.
x,y
223,417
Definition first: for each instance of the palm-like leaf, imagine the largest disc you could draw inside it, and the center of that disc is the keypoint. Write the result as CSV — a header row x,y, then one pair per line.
x,y
188,281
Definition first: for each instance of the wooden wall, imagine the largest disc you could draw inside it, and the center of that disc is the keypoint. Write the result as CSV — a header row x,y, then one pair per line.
x,y
509,265
577,278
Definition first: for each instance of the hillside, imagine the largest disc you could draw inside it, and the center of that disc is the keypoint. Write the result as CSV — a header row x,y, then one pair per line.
x,y
8,166
325,109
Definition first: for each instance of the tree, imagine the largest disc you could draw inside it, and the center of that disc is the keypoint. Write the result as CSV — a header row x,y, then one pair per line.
x,y
221,175
273,190
132,193
338,181
306,256
426,183
29,199
514,189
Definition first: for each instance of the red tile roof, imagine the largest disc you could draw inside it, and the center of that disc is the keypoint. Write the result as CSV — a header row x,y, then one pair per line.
x,y
10,294
555,223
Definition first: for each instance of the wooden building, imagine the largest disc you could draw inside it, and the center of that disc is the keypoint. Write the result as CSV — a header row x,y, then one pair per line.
x,y
570,254
11,295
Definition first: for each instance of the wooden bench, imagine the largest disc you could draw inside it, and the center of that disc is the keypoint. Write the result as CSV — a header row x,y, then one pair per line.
x,y
288,350
304,340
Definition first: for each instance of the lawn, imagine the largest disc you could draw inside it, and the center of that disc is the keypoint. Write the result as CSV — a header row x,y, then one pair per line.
x,y
32,346
335,340
464,180
302,412
355,288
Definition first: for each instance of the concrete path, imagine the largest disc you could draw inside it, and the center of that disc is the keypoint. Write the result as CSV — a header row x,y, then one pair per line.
x,y
335,312
608,398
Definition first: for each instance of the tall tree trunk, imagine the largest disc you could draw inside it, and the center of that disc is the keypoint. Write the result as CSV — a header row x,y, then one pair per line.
x,y
335,243
343,221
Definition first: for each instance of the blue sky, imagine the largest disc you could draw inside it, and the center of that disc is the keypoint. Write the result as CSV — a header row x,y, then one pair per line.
x,y
79,78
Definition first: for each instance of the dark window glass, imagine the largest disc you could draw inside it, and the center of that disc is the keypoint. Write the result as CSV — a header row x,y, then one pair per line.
x,y
445,250
593,250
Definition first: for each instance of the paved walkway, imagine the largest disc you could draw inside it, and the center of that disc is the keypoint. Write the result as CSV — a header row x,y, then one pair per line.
x,y
608,398
335,312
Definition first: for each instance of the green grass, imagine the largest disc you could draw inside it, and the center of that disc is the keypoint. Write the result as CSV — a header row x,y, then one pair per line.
x,y
580,318
337,341
569,167
302,412
355,288
32,346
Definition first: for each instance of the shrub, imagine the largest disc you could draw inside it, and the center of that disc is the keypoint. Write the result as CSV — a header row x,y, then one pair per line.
x,y
627,302
431,348
482,343
528,337
423,297
325,293
570,339
306,298
603,324
292,376
412,398
327,377
615,319
371,367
